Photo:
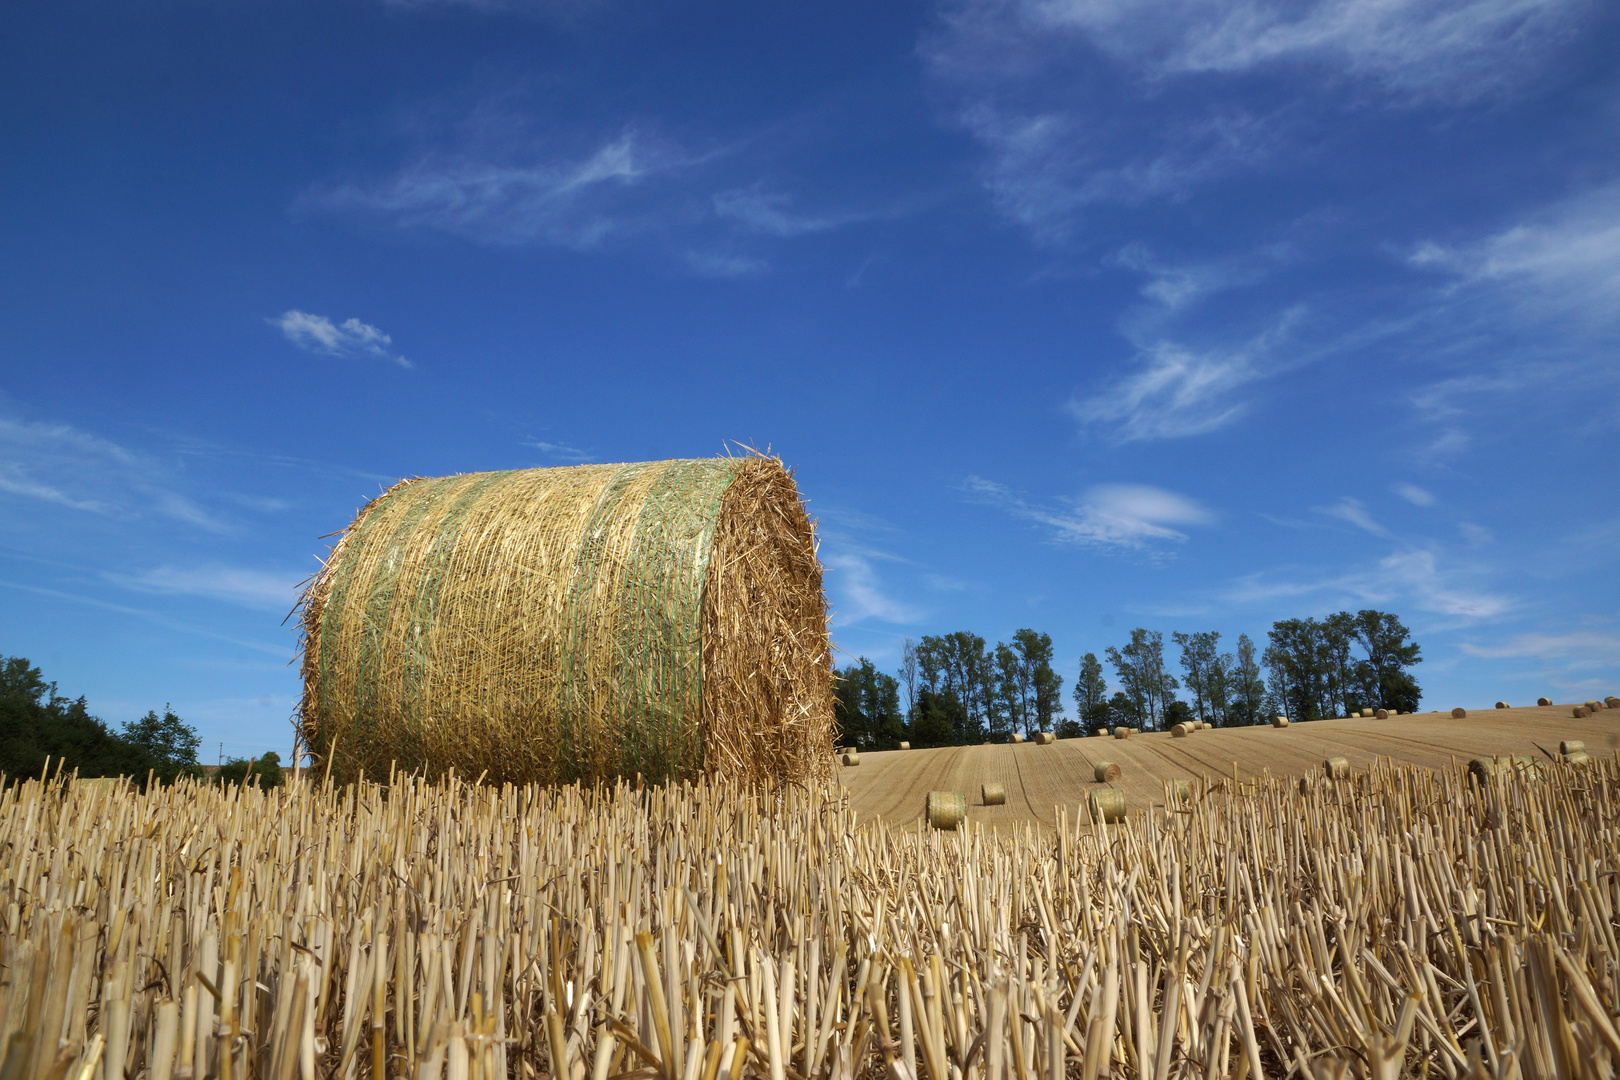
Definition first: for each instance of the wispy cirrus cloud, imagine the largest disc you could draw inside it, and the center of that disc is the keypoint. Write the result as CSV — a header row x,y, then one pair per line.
x,y
1413,494
1353,511
1122,516
560,451
349,338
61,465
261,589
1412,576
1583,648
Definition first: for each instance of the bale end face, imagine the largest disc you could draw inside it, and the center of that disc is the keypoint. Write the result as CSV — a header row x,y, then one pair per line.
x,y
1503,705
1107,806
1045,738
1105,772
993,794
946,809
1101,733
1336,768
851,759
1459,713
1543,701
1381,714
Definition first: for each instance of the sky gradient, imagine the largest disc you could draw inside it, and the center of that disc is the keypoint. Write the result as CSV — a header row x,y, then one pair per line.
x,y
1072,314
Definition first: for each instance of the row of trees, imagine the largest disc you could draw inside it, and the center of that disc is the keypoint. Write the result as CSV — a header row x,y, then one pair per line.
x,y
39,728
957,690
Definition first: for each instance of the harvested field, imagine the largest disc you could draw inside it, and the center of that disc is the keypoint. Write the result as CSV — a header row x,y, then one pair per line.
x,y
1402,923
1039,779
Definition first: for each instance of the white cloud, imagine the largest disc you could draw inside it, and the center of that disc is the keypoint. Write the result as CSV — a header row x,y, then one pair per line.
x,y
1176,391
1561,263
1413,576
559,451
351,337
1475,535
771,213
1454,48
246,588
1352,510
63,466
576,204
1581,648
1128,516
860,594
1413,494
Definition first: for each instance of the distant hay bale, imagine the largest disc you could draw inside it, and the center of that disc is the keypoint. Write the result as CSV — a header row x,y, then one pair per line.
x,y
1279,721
905,745
993,794
946,809
1179,731
1101,733
1123,732
1381,714
1579,757
1482,769
1503,705
579,623
1366,712
1570,746
851,758
1594,706
1543,701
1581,712
1017,738
1107,805
1612,702
1046,738
1105,772
1336,768
1459,713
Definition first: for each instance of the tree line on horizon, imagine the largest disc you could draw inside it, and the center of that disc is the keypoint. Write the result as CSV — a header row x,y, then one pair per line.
x,y
957,690
41,730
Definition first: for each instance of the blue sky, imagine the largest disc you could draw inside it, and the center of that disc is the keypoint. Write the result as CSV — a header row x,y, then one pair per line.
x,y
1072,314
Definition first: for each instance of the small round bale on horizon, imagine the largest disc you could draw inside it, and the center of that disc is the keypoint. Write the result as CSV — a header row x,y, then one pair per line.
x,y
1106,772
1612,702
1503,705
1101,733
1122,732
1593,706
1459,713
905,745
1279,721
1017,738
1580,712
1381,714
1179,731
1543,701
851,758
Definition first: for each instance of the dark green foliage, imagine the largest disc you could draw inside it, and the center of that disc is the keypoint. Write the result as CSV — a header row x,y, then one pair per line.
x,y
264,772
1177,712
940,719
1091,692
1149,688
1205,674
1315,672
867,708
37,725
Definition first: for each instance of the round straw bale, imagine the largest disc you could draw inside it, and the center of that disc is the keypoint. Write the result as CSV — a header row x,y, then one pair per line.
x,y
1106,772
905,745
1123,732
1503,705
1381,714
1570,746
946,809
851,758
1179,731
993,793
1579,757
1594,706
1017,738
1046,738
1459,713
1336,768
1279,721
1366,712
1107,805
580,623
1482,768
1612,702
1581,712
1101,733
1543,701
